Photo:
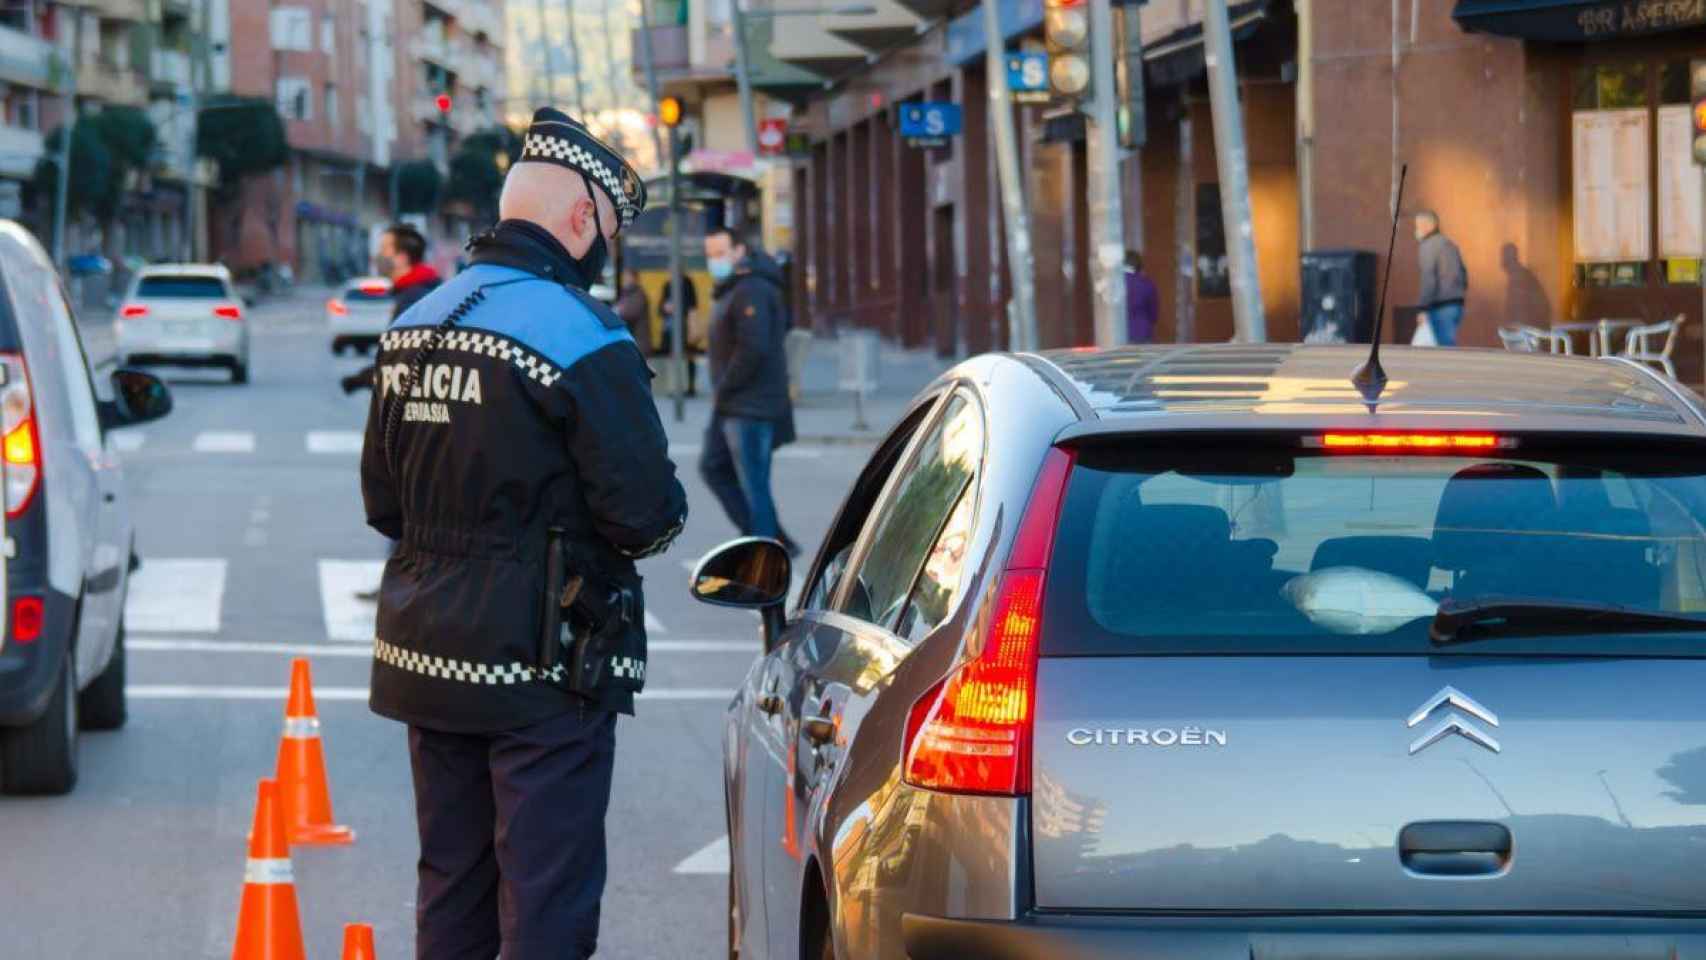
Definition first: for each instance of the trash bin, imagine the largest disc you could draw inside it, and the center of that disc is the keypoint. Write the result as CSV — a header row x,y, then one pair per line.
x,y
796,345
1338,296
860,353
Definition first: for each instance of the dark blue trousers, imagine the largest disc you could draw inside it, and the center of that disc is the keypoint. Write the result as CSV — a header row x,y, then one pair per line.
x,y
512,838
735,464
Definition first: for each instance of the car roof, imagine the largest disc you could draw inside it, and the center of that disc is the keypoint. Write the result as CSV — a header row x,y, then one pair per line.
x,y
1287,386
218,270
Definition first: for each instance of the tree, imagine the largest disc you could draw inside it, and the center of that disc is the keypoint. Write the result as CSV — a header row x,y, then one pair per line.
x,y
418,183
95,189
129,137
477,170
246,137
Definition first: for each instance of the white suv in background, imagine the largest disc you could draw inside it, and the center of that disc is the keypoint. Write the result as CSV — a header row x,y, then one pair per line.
x,y
184,314
357,316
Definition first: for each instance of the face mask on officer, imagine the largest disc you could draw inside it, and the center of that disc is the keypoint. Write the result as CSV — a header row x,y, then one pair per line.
x,y
591,263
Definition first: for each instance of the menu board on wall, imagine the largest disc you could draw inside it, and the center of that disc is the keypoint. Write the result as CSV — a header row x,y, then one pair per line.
x,y
1612,198
1679,184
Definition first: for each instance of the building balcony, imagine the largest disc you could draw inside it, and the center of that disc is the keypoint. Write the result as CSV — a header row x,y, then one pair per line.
x,y
672,55
134,11
477,18
19,150
27,60
170,72
111,83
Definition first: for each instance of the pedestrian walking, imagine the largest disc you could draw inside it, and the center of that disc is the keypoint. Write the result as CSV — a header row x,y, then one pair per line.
x,y
1445,281
1142,301
634,307
666,344
514,451
751,414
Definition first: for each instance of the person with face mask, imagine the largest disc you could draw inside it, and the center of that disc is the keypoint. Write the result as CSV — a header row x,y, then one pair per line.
x,y
514,451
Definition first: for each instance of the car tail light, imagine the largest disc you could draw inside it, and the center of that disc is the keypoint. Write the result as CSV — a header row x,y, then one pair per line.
x,y
971,733
375,289
20,442
336,308
228,311
131,311
28,614
1388,442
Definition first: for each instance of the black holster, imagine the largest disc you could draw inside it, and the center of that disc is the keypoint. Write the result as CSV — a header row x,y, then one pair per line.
x,y
587,643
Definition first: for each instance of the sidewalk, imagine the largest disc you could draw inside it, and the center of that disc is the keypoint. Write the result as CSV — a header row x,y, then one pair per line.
x,y
823,413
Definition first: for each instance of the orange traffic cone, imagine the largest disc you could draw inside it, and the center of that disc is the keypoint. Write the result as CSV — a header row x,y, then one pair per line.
x,y
268,926
358,941
302,768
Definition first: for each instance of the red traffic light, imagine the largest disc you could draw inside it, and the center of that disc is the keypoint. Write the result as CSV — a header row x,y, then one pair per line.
x,y
1700,116
443,102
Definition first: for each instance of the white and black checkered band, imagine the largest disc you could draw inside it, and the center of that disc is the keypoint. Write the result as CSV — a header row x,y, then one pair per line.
x,y
462,671
565,152
497,346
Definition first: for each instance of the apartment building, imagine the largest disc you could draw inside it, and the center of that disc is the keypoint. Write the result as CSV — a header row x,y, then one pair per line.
x,y
356,82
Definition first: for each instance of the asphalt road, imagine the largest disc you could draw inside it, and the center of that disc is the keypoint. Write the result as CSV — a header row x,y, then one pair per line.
x,y
249,525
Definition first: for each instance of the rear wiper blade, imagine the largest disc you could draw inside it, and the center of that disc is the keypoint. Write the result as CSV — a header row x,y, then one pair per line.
x,y
1485,618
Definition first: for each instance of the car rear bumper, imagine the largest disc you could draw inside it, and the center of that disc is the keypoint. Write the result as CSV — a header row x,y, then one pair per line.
x,y
28,671
134,344
1315,938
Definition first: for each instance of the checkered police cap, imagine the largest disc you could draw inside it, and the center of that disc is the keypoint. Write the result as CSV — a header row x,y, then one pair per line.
x,y
555,137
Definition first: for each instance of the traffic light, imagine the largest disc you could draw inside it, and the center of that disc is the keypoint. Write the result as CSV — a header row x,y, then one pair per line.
x,y
442,102
1066,27
1697,92
669,111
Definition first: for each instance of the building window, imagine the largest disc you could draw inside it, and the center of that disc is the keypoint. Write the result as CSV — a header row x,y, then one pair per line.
x,y
1611,136
295,98
328,36
293,29
332,105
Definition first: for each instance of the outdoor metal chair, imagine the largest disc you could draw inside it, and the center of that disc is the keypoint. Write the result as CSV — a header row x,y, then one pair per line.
x,y
1522,338
1638,344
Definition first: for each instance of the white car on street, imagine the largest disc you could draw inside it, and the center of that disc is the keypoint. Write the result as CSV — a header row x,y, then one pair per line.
x,y
184,314
359,314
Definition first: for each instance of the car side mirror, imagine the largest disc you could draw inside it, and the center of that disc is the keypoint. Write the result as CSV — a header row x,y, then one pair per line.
x,y
751,573
137,398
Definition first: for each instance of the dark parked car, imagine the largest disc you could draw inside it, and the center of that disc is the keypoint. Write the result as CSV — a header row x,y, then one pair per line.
x,y
1183,651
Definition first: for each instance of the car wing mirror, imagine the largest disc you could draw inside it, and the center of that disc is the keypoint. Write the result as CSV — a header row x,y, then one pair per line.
x,y
138,397
752,573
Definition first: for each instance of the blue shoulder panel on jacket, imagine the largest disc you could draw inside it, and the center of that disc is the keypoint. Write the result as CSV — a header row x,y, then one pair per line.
x,y
559,324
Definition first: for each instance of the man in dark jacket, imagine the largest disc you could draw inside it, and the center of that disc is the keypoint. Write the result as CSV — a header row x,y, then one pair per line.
x,y
1445,281
751,414
514,451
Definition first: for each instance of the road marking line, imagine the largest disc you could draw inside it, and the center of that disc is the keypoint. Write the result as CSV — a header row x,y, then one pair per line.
x,y
713,858
653,624
327,649
225,441
169,691
347,617
176,596
334,441
127,441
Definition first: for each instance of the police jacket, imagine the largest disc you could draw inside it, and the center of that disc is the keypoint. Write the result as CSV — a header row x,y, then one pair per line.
x,y
532,419
749,365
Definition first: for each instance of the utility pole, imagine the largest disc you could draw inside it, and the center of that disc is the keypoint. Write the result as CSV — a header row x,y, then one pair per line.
x,y
575,54
613,78
677,339
743,78
1232,159
1107,201
550,57
62,186
1022,309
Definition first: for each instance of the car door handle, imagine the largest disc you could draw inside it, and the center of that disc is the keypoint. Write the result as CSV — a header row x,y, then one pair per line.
x,y
110,497
1455,848
769,704
819,730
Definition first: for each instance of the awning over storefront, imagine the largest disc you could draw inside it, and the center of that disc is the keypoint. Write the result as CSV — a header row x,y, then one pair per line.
x,y
1178,56
1573,21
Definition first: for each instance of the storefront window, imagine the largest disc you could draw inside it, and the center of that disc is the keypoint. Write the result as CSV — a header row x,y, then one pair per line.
x,y
1611,139
1679,180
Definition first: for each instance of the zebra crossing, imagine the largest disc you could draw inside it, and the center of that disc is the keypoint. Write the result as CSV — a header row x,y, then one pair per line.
x,y
184,599
327,443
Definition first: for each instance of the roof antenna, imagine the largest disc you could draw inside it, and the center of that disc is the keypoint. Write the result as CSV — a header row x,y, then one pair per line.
x,y
1370,379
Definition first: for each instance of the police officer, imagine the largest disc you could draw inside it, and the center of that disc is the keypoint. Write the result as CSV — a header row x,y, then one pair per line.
x,y
514,451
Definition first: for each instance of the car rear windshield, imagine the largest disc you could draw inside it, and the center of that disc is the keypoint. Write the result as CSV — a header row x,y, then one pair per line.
x,y
182,288
367,294
1294,550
